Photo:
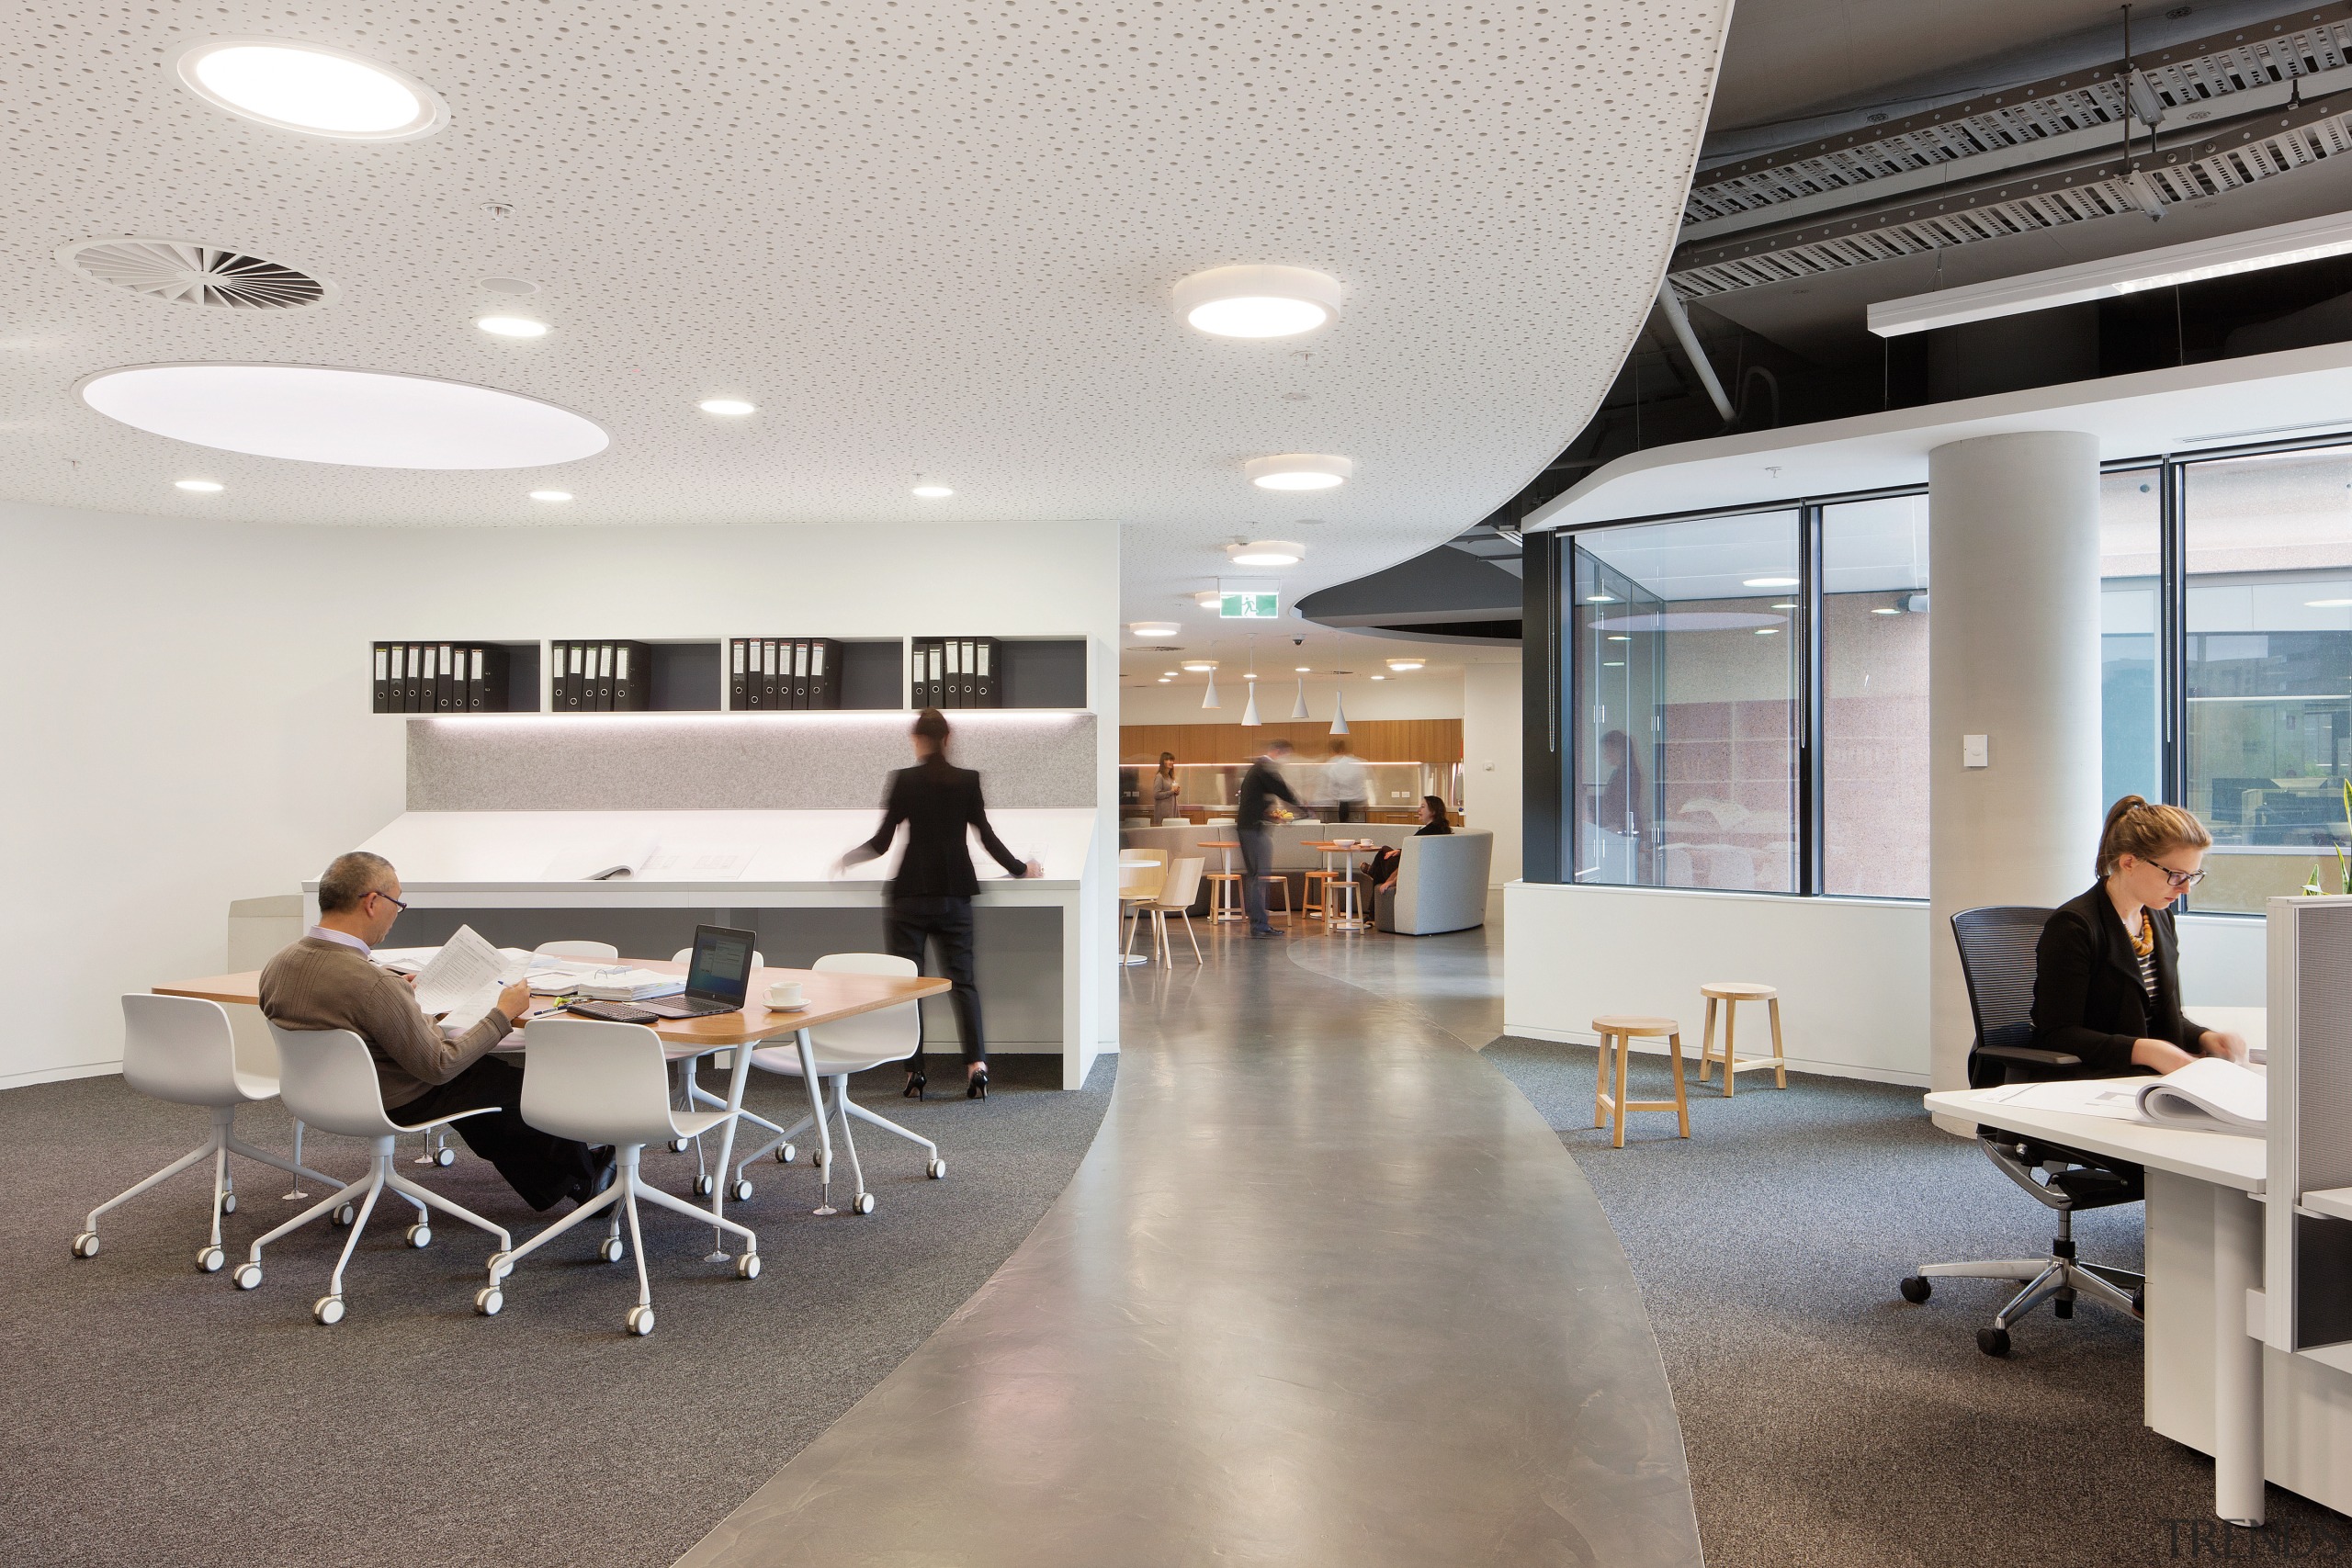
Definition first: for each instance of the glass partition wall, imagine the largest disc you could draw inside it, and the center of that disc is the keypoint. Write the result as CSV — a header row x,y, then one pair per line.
x,y
1745,696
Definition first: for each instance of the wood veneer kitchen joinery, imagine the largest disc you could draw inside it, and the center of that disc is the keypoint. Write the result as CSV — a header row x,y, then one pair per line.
x,y
1372,739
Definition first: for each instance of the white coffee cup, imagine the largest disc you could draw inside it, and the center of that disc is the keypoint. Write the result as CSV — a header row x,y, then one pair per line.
x,y
784,993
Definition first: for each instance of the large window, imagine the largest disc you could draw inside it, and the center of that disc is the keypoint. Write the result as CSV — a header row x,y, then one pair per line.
x,y
1687,637
1874,697
1745,697
2269,667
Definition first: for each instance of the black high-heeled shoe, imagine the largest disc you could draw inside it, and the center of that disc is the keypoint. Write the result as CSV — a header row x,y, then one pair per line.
x,y
977,1085
914,1086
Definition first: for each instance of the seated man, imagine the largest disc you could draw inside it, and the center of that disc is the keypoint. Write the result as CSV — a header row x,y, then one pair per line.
x,y
326,981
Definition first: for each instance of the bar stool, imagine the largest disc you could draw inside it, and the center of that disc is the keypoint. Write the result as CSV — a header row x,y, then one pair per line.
x,y
1317,904
1224,885
1277,879
1624,1029
1731,993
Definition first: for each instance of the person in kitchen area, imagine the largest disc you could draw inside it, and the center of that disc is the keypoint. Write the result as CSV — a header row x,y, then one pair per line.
x,y
1345,781
1261,788
326,981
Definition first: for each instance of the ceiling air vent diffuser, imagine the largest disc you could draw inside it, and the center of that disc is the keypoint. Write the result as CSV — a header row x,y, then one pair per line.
x,y
184,271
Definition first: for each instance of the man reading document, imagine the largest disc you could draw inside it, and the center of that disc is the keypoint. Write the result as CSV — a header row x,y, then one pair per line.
x,y
326,981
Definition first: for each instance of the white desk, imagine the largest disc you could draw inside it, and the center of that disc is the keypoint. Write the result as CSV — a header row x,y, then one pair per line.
x,y
2212,1384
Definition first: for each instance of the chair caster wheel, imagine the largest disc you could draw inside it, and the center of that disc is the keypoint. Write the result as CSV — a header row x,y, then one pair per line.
x,y
86,1244
209,1259
328,1310
816,1157
640,1321
706,1184
228,1202
785,1154
936,1170
489,1299
248,1275
748,1266
863,1203
741,1191
501,1264
1993,1341
344,1216
677,1146
1916,1290
2139,1303
445,1156
611,1251
420,1234
2061,1308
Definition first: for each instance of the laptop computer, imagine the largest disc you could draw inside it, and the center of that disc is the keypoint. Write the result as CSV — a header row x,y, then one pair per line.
x,y
718,976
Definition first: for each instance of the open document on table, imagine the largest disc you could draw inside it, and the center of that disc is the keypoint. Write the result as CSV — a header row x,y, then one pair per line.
x,y
2208,1095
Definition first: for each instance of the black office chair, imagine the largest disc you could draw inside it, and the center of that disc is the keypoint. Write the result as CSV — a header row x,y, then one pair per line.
x,y
1996,955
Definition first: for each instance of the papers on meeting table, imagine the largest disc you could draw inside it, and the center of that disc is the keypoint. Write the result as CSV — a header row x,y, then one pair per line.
x,y
461,982
2208,1095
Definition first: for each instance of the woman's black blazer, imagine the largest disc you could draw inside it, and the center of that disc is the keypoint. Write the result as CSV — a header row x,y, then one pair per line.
x,y
2086,994
938,803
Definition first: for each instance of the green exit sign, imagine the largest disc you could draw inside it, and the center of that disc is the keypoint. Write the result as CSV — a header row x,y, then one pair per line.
x,y
1250,606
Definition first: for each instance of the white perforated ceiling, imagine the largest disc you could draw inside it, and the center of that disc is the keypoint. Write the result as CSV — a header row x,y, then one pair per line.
x,y
928,237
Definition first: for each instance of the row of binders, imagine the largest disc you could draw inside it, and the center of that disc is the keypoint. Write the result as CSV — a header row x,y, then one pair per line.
x,y
440,677
601,677
771,674
957,673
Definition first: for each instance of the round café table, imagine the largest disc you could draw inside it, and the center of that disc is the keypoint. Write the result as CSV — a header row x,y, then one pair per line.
x,y
1225,886
1342,877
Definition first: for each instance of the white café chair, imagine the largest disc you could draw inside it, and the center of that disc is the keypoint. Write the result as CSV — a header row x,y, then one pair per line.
x,y
181,1049
605,1083
601,951
847,1046
328,1079
1142,874
695,1094
1176,898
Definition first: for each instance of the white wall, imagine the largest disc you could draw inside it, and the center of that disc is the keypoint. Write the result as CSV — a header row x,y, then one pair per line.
x,y
1491,726
188,703
1852,973
1429,694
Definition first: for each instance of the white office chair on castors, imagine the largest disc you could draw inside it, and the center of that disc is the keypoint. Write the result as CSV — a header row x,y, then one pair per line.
x,y
606,1083
329,1081
181,1049
848,1045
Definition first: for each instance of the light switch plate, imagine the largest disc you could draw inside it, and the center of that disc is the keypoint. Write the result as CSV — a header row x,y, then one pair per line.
x,y
1975,751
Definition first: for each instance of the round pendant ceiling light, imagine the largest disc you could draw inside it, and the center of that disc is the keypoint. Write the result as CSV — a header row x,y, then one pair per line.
x,y
368,419
1257,302
1154,628
312,88
1266,552
1299,470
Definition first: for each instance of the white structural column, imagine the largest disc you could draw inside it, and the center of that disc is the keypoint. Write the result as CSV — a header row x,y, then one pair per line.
x,y
2013,657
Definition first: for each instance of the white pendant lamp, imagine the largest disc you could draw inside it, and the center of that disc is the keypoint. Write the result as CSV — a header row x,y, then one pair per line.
x,y
1298,708
1210,701
1339,713
1250,709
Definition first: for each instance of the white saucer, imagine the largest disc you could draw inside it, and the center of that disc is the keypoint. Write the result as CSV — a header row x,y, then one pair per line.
x,y
777,1007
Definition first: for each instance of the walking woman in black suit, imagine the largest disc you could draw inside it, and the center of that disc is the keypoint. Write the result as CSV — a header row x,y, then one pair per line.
x,y
2106,974
930,896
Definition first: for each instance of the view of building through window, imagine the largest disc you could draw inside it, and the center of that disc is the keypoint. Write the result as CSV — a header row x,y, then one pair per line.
x,y
1874,697
2130,558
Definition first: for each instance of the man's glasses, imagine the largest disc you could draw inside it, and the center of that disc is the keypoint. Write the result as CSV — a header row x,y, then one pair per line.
x,y
2181,880
402,904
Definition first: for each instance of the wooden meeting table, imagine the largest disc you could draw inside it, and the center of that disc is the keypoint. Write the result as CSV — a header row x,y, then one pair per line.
x,y
826,996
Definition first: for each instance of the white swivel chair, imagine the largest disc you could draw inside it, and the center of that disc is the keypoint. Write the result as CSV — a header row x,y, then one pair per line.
x,y
848,1045
1176,898
181,1049
695,1094
601,951
329,1081
605,1083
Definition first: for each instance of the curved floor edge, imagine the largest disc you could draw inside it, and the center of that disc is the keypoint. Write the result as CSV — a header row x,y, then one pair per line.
x,y
1326,1289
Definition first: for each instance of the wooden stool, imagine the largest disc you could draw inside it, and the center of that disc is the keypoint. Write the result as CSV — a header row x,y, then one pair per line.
x,y
1225,897
1281,881
1731,993
1624,1028
1316,905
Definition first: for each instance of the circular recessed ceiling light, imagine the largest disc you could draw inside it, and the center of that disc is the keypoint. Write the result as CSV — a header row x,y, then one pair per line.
x,y
1168,672
550,495
1257,302
933,492
1210,599
310,88
1404,666
1299,471
369,419
1380,677
1300,669
1200,666
1154,628
512,326
199,487
1162,681
522,286
1266,552
732,408
1767,582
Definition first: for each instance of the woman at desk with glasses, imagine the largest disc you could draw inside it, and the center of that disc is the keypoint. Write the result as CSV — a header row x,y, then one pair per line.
x,y
2106,974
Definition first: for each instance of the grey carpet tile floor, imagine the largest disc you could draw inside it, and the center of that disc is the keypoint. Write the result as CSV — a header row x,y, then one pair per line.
x,y
1829,1423
151,1414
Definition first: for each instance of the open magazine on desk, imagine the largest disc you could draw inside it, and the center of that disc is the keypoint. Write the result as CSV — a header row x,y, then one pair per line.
x,y
2208,1095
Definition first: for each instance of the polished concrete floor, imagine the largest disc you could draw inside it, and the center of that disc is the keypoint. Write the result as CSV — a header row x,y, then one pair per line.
x,y
1326,1291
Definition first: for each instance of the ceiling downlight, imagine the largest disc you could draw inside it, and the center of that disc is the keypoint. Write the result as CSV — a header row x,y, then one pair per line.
x,y
188,272
310,88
